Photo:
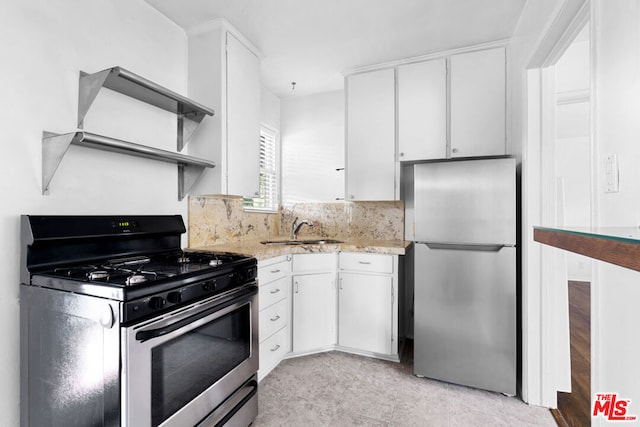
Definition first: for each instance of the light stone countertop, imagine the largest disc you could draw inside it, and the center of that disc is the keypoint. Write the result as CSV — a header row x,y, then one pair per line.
x,y
261,251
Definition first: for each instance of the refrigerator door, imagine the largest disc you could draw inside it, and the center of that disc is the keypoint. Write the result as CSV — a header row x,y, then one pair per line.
x,y
470,201
465,317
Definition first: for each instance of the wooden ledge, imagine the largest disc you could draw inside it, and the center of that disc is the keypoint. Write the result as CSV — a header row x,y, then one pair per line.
x,y
622,252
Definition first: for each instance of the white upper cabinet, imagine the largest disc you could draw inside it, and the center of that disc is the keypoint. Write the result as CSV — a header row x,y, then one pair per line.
x,y
478,103
224,72
370,153
422,110
448,107
243,119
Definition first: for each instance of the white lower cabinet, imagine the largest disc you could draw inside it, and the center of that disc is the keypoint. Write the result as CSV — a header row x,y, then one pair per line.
x,y
368,304
324,301
314,302
365,304
313,312
274,278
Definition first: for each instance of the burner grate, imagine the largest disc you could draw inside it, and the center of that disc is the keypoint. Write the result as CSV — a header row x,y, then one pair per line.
x,y
139,270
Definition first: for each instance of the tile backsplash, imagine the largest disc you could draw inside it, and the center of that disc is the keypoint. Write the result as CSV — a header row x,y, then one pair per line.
x,y
216,219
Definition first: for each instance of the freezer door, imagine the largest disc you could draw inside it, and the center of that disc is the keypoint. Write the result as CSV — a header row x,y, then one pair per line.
x,y
465,317
471,201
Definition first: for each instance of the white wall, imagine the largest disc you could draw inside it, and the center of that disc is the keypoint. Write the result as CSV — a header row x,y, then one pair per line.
x,y
313,147
617,98
270,109
44,46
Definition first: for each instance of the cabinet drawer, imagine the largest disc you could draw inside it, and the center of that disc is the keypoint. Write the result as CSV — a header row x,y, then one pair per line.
x,y
273,292
272,318
273,349
370,263
314,262
269,273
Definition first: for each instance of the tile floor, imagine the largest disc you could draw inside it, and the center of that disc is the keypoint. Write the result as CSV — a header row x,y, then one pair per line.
x,y
340,389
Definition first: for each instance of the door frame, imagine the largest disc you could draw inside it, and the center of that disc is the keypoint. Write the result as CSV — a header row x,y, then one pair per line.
x,y
542,376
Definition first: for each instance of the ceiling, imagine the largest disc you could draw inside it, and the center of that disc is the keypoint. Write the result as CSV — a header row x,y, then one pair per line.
x,y
314,42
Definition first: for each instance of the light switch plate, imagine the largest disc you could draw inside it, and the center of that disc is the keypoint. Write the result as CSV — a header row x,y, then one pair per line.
x,y
611,174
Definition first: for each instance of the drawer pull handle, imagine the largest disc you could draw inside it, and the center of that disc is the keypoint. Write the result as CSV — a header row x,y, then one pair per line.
x,y
364,262
277,270
275,291
274,319
276,347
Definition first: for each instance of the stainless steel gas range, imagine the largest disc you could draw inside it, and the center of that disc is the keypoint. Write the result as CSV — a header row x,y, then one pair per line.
x,y
120,327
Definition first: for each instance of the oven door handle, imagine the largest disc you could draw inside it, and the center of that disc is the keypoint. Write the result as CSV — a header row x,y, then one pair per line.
x,y
143,336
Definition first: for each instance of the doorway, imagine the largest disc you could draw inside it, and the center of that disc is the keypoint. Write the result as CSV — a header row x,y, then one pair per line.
x,y
572,151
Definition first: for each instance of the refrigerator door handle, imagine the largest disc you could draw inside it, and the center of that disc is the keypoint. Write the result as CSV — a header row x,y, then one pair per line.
x,y
491,247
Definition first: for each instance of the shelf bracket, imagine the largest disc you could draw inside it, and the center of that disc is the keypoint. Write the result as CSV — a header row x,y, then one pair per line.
x,y
90,85
187,125
189,113
54,147
187,177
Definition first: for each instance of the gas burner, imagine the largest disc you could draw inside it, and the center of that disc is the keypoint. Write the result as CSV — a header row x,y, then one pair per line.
x,y
77,272
183,260
98,274
136,279
215,262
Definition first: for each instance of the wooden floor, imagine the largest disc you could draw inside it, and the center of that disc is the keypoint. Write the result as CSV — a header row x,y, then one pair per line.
x,y
574,409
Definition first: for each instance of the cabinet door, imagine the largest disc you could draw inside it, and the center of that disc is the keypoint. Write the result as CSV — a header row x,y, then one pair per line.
x,y
243,119
365,304
313,312
370,165
422,110
478,103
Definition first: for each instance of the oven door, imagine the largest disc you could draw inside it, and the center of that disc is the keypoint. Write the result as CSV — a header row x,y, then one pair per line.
x,y
178,368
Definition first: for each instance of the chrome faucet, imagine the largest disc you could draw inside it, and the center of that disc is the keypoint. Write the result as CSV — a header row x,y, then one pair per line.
x,y
296,226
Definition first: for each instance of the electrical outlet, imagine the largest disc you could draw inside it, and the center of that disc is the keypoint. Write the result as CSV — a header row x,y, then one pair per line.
x,y
611,174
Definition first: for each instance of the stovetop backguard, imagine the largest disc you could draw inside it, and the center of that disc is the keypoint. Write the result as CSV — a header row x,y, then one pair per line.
x,y
53,241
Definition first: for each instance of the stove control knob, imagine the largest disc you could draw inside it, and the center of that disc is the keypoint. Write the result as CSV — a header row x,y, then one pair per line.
x,y
156,303
174,297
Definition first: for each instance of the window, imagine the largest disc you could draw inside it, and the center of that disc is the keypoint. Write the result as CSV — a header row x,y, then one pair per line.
x,y
268,198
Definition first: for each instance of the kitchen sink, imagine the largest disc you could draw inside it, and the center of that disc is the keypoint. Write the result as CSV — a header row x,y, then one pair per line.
x,y
301,242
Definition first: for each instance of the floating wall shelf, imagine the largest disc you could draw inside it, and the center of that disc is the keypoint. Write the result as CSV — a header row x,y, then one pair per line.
x,y
189,113
55,146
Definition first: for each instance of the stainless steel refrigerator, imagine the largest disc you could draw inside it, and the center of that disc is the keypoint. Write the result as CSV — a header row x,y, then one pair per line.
x,y
464,226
